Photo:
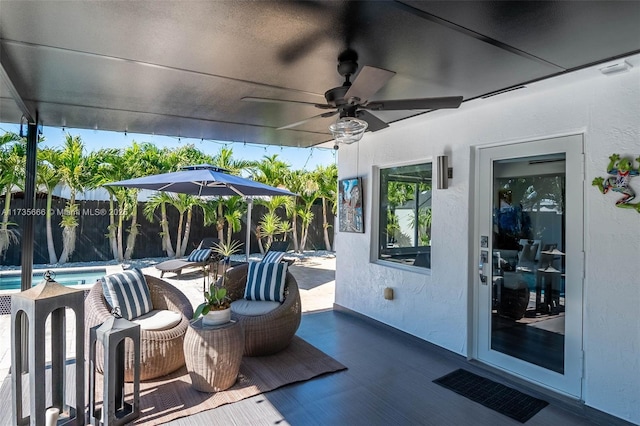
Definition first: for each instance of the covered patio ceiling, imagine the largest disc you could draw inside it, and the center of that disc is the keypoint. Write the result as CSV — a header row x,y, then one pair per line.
x,y
181,68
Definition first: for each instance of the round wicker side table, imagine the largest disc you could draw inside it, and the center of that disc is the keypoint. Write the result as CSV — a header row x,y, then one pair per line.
x,y
213,355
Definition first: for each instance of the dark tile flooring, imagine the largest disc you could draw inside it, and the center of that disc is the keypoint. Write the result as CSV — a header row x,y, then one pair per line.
x,y
388,382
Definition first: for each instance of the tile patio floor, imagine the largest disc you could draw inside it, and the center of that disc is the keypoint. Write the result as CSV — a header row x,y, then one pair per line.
x,y
388,380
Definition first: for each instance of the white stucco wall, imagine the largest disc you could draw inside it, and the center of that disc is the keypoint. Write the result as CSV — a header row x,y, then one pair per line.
x,y
436,306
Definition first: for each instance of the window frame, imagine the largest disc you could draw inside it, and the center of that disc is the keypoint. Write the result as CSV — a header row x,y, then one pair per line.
x,y
403,261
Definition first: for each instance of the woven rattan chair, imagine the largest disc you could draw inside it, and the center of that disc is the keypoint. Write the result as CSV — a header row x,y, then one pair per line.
x,y
161,351
272,332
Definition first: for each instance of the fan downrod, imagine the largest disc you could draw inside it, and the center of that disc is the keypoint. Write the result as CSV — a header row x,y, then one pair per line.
x,y
347,66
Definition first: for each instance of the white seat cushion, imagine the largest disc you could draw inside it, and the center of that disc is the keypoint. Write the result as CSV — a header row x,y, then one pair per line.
x,y
253,308
158,320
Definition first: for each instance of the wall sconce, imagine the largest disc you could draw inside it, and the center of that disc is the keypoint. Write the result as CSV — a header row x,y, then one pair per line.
x,y
444,172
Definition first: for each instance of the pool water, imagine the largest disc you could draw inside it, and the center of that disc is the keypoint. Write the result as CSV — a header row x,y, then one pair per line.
x,y
85,276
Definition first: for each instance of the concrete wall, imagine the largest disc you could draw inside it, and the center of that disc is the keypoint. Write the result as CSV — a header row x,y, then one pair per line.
x,y
436,305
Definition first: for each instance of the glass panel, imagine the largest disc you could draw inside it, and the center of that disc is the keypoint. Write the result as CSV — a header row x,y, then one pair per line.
x,y
528,298
405,215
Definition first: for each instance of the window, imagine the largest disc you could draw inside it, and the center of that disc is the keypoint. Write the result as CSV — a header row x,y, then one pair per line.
x,y
405,215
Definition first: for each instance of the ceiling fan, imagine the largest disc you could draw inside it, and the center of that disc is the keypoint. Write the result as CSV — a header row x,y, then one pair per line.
x,y
351,101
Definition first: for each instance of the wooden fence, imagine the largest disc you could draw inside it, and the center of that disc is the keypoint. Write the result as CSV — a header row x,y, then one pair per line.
x,y
92,243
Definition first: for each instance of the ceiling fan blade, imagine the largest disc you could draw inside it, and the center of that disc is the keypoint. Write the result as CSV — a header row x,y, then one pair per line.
x,y
284,101
420,103
297,123
368,81
374,122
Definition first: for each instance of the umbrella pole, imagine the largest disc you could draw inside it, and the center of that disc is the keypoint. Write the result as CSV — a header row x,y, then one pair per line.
x,y
248,239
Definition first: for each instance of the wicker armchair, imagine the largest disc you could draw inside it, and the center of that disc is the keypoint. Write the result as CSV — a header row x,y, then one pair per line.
x,y
272,332
161,351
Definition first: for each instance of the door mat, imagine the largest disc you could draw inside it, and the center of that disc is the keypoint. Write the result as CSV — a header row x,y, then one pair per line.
x,y
498,397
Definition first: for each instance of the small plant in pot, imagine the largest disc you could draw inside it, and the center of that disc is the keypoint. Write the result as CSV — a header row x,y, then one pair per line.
x,y
216,309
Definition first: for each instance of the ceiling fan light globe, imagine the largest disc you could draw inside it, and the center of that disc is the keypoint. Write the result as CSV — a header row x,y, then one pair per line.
x,y
348,130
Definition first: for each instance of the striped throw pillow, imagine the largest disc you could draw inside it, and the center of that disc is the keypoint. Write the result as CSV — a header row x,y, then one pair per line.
x,y
265,281
127,292
199,255
273,257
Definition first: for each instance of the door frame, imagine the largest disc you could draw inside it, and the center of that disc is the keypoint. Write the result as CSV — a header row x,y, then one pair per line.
x,y
571,384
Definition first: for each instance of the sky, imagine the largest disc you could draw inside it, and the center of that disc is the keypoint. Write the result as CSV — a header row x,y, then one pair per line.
x,y
297,158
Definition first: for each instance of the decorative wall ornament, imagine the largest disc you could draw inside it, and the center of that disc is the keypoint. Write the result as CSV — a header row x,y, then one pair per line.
x,y
621,169
350,208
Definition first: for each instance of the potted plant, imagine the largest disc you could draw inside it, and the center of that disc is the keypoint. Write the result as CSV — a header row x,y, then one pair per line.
x,y
216,308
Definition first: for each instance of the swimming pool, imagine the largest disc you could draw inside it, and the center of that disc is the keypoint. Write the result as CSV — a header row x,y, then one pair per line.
x,y
67,277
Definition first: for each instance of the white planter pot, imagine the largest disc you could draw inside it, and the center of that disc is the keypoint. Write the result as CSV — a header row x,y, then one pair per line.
x,y
217,317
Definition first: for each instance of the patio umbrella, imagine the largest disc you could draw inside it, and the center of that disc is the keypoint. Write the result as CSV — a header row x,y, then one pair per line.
x,y
206,180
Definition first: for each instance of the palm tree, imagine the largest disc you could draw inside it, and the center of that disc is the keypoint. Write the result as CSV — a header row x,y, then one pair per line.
x,y
327,178
285,229
187,155
270,170
140,160
161,199
306,216
308,195
72,169
183,203
294,180
106,165
273,222
12,158
270,226
224,159
234,207
49,177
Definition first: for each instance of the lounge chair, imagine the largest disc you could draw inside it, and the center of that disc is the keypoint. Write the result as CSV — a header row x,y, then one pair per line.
x,y
198,258
280,246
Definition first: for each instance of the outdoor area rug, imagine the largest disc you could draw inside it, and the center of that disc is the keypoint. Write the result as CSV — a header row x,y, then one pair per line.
x,y
498,397
172,396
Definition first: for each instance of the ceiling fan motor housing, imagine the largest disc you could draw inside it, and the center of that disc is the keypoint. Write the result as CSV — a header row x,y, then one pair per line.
x,y
335,96
348,63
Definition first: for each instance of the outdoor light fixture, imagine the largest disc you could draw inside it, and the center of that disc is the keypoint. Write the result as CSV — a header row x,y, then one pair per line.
x,y
348,130
443,172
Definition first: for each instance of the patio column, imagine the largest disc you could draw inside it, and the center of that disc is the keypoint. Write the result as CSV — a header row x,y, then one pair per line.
x,y
29,205
248,239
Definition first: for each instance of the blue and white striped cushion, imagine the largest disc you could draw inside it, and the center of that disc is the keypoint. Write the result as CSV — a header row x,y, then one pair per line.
x,y
199,255
265,281
273,257
128,293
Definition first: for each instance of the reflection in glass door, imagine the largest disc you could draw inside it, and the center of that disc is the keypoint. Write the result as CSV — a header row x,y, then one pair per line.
x,y
528,260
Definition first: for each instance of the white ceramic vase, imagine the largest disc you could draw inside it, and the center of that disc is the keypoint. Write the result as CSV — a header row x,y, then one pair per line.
x,y
217,317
